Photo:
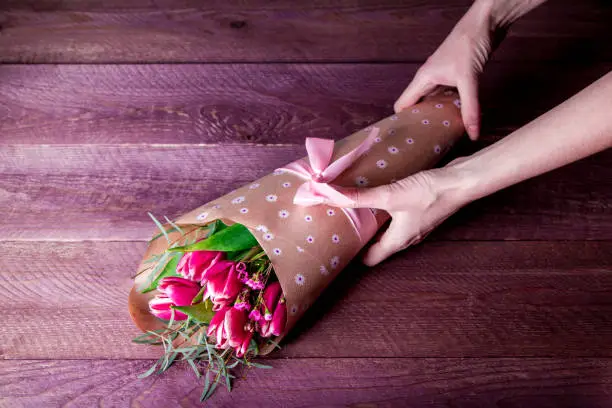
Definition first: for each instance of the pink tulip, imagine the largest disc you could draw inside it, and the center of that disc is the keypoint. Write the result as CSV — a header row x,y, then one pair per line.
x,y
241,351
161,307
223,284
217,327
180,291
277,323
193,265
235,322
270,297
279,319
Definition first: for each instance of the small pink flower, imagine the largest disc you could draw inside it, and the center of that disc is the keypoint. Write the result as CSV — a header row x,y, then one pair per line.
x,y
255,315
193,265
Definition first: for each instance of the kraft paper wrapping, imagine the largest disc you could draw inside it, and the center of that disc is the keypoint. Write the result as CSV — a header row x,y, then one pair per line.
x,y
309,246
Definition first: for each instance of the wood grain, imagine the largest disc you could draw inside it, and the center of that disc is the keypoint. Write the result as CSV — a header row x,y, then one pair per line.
x,y
252,103
256,31
369,382
76,192
452,299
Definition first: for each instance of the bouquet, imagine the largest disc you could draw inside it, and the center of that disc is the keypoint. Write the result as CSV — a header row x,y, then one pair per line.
x,y
225,282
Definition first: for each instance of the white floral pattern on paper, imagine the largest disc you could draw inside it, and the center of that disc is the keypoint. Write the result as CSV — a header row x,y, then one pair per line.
x,y
368,129
394,117
457,103
381,164
377,139
300,279
415,110
278,172
271,198
244,210
286,184
361,181
334,262
439,105
254,186
238,200
202,216
391,132
410,140
310,239
437,149
323,269
268,236
393,150
299,248
277,251
283,213
331,212
293,309
425,121
308,218
446,123
261,228
216,207
336,239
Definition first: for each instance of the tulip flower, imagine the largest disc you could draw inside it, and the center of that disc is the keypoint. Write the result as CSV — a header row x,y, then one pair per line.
x,y
217,327
270,297
161,307
223,284
193,265
279,319
181,291
173,291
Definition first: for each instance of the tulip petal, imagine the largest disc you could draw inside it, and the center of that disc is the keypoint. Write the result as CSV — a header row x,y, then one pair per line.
x,y
279,319
234,323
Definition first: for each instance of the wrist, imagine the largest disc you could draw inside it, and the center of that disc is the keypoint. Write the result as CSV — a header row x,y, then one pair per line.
x,y
456,184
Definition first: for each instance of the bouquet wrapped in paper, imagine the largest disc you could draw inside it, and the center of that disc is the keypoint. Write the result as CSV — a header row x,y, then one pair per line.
x,y
227,280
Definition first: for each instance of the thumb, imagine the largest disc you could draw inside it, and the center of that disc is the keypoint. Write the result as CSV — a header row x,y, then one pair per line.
x,y
418,88
470,110
389,243
364,197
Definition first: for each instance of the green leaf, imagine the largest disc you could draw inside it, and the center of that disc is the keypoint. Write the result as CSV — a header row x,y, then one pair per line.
x,y
195,368
176,227
156,270
161,227
215,227
202,312
206,386
169,270
257,365
234,238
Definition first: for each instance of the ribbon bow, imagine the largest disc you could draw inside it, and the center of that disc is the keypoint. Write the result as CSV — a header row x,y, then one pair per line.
x,y
320,171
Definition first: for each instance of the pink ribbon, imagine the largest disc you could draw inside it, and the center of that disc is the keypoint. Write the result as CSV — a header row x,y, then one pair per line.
x,y
319,171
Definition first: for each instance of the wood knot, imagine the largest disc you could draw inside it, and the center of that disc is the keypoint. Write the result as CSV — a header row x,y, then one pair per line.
x,y
238,24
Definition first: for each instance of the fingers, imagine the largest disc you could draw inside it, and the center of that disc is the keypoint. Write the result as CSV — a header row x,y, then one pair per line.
x,y
389,243
470,109
419,87
376,197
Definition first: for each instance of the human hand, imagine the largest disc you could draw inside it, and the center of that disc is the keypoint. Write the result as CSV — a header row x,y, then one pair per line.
x,y
417,205
457,62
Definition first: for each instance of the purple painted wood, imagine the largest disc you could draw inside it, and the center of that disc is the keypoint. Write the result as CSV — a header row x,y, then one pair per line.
x,y
262,103
64,300
398,382
184,31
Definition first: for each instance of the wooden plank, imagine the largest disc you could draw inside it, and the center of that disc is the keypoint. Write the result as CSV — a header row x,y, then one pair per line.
x,y
370,382
478,299
278,103
80,192
91,31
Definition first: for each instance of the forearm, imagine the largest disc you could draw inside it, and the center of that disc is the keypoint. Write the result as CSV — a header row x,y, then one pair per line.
x,y
496,14
577,128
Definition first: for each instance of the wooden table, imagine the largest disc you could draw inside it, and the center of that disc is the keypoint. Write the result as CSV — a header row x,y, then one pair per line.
x,y
112,109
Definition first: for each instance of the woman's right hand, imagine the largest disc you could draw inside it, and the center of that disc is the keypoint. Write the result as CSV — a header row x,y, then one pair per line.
x,y
457,62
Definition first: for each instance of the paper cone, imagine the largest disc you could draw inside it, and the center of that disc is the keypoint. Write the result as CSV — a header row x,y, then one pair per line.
x,y
309,246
